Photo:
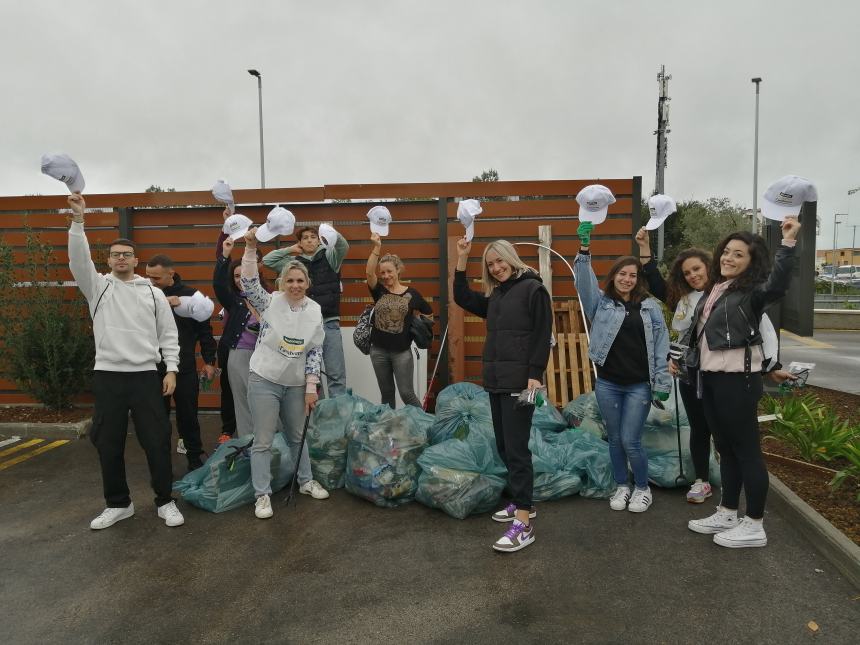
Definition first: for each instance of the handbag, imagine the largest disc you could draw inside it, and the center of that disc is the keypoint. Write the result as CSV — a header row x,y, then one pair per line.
x,y
421,331
361,335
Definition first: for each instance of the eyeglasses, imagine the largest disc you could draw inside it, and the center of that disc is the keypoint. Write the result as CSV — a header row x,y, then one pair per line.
x,y
116,255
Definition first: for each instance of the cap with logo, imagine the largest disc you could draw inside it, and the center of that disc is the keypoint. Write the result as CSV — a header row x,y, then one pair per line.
x,y
380,218
199,307
467,211
785,197
327,234
222,192
236,225
594,201
63,167
660,206
279,221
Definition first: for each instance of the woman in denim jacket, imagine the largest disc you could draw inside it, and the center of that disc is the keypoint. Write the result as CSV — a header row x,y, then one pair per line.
x,y
629,344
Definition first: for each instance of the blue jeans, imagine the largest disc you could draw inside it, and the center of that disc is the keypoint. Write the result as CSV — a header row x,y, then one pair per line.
x,y
333,360
270,402
624,409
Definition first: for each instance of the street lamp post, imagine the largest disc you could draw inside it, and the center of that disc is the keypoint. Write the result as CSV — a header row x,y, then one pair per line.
x,y
757,82
853,245
254,72
833,274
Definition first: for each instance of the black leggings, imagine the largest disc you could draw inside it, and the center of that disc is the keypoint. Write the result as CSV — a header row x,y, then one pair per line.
x,y
730,402
512,426
700,434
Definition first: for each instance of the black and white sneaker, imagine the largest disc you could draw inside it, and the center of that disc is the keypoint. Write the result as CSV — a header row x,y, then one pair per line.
x,y
509,513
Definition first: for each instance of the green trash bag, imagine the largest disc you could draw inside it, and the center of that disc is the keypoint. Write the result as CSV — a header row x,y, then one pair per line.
x,y
224,481
554,464
462,476
548,419
591,463
382,456
328,435
583,413
458,408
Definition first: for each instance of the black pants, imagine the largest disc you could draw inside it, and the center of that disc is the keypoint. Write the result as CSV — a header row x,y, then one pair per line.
x,y
700,433
140,392
730,402
228,411
512,426
185,401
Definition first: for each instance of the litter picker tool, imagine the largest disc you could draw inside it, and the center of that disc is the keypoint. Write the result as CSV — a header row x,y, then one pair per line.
x,y
298,458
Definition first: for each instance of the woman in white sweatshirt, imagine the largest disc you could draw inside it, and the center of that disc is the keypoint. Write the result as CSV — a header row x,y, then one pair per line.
x,y
285,370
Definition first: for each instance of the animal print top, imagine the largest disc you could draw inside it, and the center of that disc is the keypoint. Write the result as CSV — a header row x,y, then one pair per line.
x,y
392,317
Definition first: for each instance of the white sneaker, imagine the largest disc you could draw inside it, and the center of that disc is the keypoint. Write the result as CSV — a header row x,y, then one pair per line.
x,y
747,533
171,515
180,447
640,501
263,507
618,501
313,489
111,516
722,520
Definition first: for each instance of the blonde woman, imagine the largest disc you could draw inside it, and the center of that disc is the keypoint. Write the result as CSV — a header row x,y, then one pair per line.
x,y
285,370
390,339
519,328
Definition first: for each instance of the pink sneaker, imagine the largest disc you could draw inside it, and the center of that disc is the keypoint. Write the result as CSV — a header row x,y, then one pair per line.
x,y
699,492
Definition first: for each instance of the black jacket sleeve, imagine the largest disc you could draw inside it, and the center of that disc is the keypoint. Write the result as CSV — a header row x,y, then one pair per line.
x,y
777,282
472,301
208,346
539,343
221,285
656,283
420,304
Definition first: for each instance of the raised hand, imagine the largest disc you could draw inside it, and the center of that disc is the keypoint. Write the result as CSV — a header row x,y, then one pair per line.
x,y
583,231
463,247
377,241
226,213
78,206
251,238
227,247
790,228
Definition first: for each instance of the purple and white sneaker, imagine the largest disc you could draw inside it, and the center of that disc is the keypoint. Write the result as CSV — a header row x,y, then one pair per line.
x,y
509,513
519,536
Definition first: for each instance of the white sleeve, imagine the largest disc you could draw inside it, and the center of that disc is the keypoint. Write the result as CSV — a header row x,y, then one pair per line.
x,y
168,336
90,282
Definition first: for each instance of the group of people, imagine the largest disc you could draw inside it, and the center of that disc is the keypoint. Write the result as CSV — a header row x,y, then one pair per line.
x,y
277,338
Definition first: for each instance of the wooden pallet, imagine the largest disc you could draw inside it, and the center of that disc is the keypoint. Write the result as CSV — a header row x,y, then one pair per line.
x,y
568,373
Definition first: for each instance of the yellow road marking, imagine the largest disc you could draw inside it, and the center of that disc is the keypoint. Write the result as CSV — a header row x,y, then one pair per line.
x,y
805,340
37,451
20,446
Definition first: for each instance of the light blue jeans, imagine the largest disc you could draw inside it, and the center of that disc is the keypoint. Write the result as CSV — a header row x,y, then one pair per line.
x,y
333,360
270,402
624,409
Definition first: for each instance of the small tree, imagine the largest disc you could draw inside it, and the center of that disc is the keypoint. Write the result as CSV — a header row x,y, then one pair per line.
x,y
48,349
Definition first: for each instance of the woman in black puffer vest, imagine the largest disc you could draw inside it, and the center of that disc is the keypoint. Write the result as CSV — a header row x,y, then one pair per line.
x,y
519,329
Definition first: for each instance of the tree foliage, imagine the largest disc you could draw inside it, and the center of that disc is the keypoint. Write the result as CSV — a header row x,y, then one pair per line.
x,y
158,189
48,349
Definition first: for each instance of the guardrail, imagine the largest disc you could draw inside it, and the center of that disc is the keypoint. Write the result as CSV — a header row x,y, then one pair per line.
x,y
836,301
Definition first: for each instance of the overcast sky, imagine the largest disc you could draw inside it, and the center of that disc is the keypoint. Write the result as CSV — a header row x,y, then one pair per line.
x,y
402,90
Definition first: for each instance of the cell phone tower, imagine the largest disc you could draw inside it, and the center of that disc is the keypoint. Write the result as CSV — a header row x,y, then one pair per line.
x,y
662,143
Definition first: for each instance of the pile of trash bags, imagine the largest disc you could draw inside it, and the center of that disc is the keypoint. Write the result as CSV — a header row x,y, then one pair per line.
x,y
224,481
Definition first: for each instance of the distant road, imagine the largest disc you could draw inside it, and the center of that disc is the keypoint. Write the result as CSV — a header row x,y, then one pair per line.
x,y
836,355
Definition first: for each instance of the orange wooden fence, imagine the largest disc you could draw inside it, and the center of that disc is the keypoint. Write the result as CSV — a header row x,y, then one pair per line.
x,y
185,226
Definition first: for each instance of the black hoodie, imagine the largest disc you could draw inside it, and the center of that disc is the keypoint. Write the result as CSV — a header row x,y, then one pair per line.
x,y
190,332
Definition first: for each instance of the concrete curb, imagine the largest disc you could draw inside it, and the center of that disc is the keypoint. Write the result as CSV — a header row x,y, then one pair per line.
x,y
833,544
75,430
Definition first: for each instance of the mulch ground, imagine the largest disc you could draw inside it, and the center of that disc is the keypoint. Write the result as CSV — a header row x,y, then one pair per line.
x,y
839,507
27,414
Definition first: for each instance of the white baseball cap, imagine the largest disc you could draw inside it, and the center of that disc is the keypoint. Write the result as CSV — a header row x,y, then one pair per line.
x,y
222,192
199,307
785,197
380,218
327,235
661,206
594,201
467,211
279,221
236,225
63,167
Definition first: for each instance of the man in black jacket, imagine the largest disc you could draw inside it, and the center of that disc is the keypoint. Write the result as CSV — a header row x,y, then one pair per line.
x,y
161,272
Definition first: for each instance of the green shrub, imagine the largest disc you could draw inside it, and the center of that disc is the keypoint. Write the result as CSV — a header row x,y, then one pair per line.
x,y
811,428
48,347
851,453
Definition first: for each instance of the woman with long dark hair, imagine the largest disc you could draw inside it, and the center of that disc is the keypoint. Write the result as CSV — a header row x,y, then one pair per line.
x,y
517,308
629,344
726,361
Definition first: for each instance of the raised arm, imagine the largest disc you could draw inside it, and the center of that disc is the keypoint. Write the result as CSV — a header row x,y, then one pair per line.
x,y
256,294
90,282
336,253
780,277
472,301
656,283
221,275
373,260
583,273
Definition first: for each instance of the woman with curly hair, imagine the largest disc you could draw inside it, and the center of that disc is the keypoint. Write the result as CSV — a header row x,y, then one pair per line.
x,y
726,362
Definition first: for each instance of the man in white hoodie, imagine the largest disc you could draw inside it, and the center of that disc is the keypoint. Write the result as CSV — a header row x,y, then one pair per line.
x,y
134,329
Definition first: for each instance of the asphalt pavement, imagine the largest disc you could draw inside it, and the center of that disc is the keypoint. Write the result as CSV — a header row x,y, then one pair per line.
x,y
344,571
836,355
